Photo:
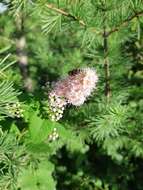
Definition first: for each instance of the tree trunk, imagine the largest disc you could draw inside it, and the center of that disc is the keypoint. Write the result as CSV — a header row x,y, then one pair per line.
x,y
22,54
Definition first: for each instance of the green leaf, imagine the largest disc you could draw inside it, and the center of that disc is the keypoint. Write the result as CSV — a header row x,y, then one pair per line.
x,y
35,179
39,128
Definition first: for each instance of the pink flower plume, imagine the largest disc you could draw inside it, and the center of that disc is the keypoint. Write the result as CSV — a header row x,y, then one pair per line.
x,y
75,88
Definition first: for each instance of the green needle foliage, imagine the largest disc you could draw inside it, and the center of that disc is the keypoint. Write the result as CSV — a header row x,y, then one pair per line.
x,y
95,146
7,92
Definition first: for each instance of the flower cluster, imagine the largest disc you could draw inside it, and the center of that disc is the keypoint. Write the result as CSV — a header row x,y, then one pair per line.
x,y
74,90
54,135
14,109
57,106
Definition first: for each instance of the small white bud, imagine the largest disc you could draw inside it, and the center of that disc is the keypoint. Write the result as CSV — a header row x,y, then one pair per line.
x,y
54,138
50,137
54,109
57,136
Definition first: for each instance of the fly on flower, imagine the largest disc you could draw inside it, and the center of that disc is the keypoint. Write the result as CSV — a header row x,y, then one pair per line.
x,y
74,72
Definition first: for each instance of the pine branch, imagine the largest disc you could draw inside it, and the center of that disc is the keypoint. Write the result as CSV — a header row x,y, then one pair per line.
x,y
52,7
124,23
81,22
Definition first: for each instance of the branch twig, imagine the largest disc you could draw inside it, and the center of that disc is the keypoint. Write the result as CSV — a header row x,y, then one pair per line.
x,y
52,7
124,23
106,65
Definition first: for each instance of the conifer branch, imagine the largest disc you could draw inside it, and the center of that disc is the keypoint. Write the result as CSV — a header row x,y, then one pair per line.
x,y
124,23
62,12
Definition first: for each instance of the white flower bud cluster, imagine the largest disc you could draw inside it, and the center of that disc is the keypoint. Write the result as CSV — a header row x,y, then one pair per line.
x,y
14,109
57,105
54,135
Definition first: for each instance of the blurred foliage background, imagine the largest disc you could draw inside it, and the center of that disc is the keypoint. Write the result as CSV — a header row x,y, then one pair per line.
x,y
99,144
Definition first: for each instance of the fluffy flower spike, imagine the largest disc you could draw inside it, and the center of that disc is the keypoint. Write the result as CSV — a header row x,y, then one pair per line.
x,y
74,90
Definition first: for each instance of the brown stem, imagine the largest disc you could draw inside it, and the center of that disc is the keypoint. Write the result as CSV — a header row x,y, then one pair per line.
x,y
106,60
60,11
106,65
